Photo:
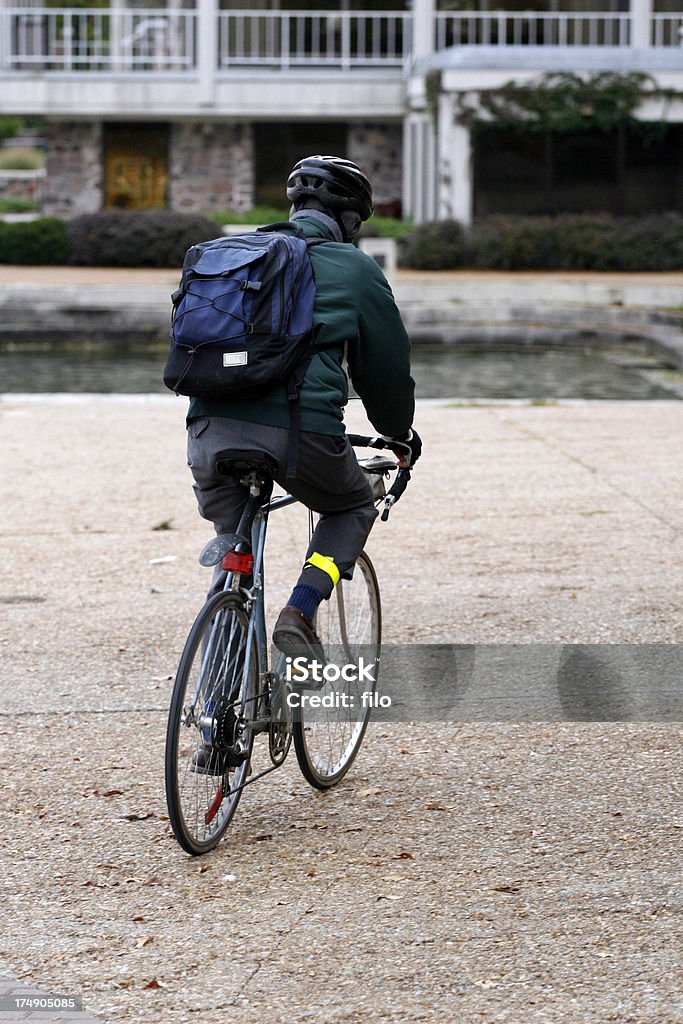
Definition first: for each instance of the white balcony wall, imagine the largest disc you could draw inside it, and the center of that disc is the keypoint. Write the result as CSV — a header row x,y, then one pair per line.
x,y
251,62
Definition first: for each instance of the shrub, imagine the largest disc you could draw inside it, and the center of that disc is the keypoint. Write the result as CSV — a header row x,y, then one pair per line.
x,y
257,215
14,204
652,243
508,243
566,242
387,227
22,158
9,127
128,238
39,242
438,245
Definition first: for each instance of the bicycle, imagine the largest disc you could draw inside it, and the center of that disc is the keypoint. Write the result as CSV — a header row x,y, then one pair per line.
x,y
226,694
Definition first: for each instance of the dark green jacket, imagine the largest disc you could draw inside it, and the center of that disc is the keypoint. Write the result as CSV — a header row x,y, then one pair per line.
x,y
354,316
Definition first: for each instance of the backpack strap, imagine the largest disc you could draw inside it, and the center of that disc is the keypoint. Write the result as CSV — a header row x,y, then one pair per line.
x,y
296,378
294,383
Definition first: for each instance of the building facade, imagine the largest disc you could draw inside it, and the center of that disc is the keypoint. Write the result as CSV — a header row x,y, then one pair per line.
x,y
204,106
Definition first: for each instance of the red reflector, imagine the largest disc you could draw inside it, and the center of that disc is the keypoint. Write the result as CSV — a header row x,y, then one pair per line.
x,y
234,561
214,805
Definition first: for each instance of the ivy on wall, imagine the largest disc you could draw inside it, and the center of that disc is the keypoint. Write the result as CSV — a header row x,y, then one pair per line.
x,y
558,102
564,102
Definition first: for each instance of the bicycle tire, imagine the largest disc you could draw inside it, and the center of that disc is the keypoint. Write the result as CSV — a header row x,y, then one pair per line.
x,y
200,804
349,624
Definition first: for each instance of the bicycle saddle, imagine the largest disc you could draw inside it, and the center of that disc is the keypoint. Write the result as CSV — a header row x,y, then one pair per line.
x,y
237,462
377,464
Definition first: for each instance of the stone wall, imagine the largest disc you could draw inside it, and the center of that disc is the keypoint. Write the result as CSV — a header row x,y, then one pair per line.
x,y
74,182
211,167
378,149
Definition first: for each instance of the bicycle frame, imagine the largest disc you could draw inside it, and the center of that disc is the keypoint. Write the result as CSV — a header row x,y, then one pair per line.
x,y
255,520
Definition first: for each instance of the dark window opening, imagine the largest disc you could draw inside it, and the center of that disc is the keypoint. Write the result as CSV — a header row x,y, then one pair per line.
x,y
279,145
631,171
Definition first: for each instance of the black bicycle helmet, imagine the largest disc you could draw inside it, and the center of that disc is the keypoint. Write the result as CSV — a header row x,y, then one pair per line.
x,y
336,183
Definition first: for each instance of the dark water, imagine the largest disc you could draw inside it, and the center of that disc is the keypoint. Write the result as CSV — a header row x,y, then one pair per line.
x,y
439,373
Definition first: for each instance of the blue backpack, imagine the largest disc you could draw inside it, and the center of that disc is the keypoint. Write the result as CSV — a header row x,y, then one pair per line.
x,y
243,316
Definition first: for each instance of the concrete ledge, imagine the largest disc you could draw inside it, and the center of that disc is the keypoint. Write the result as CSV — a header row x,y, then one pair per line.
x,y
489,309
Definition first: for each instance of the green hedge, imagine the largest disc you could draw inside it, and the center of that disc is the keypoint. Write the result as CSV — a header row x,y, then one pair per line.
x,y
34,243
126,238
159,238
565,242
438,245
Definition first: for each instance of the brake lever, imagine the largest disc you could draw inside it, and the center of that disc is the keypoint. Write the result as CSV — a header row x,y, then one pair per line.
x,y
389,503
395,491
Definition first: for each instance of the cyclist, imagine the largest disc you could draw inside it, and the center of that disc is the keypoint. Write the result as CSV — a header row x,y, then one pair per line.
x,y
355,316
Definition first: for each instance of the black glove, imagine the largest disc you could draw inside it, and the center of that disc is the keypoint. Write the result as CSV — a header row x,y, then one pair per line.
x,y
408,447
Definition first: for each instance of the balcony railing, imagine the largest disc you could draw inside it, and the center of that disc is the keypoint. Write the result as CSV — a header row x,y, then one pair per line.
x,y
340,39
97,39
507,28
667,30
161,40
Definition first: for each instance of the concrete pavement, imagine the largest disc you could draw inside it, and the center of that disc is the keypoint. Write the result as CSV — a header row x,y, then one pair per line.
x,y
522,872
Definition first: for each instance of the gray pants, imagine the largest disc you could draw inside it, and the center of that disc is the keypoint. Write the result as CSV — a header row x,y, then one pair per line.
x,y
329,481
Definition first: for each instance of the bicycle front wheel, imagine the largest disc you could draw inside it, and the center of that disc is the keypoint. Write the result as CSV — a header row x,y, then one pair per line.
x,y
328,736
208,739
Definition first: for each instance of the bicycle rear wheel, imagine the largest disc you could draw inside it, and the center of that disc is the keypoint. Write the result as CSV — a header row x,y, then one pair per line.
x,y
327,739
208,738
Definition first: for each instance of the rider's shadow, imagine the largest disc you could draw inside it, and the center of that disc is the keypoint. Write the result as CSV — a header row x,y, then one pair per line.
x,y
593,687
621,682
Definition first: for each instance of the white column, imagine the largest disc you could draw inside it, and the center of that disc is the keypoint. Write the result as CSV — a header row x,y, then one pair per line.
x,y
419,168
117,19
454,175
207,49
641,23
423,28
5,37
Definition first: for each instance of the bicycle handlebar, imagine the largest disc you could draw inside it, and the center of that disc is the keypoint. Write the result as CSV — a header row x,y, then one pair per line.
x,y
361,441
402,477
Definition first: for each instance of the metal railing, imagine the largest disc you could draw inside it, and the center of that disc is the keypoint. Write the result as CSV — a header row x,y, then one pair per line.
x,y
667,30
339,39
97,39
509,28
161,40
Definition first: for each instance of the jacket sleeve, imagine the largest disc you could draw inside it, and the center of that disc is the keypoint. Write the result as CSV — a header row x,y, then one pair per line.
x,y
379,357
